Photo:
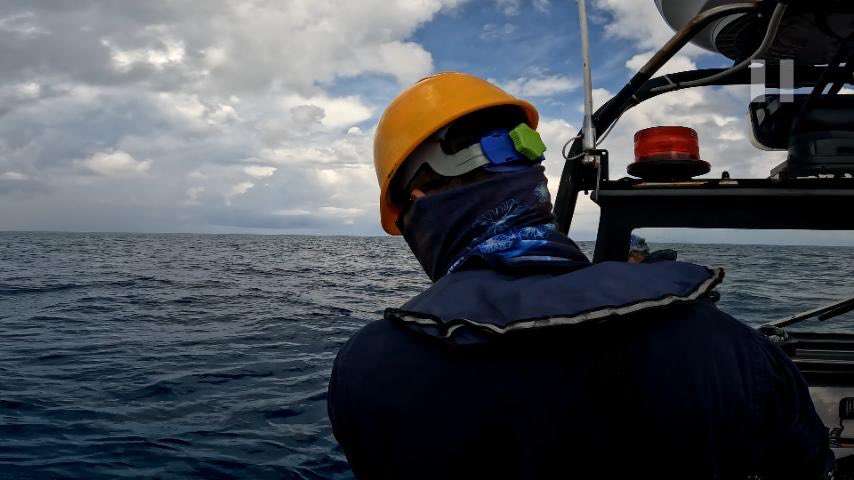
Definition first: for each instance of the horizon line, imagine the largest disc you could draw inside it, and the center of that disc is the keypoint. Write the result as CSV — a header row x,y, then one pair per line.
x,y
257,234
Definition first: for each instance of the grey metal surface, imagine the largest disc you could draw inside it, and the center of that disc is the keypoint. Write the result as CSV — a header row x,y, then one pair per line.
x,y
677,13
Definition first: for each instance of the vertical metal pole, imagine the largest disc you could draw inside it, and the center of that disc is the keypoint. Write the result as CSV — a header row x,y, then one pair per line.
x,y
589,140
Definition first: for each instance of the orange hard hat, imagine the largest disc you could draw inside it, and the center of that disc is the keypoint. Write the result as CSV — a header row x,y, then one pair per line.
x,y
422,110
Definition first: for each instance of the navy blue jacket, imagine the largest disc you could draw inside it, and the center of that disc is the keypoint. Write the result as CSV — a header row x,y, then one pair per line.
x,y
611,371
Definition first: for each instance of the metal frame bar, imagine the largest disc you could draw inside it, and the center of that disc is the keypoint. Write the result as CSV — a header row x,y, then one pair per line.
x,y
566,197
746,204
842,306
574,179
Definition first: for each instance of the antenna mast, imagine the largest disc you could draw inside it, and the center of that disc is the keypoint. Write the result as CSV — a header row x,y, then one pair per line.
x,y
589,140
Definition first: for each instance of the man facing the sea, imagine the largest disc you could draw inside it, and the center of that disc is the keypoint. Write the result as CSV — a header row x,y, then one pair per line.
x,y
524,360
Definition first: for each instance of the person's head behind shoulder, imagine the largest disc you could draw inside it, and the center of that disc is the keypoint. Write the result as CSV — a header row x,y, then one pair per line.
x,y
638,249
458,161
429,139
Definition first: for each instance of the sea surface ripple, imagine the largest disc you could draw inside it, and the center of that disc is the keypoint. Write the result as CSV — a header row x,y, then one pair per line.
x,y
207,356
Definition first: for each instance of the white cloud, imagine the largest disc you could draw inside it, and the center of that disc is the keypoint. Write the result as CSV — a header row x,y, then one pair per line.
x,y
543,86
679,63
408,62
355,148
261,104
336,111
330,177
259,171
543,6
299,155
732,136
639,21
186,105
193,194
19,94
306,43
492,31
170,52
23,24
555,133
341,212
17,176
198,112
237,190
288,212
29,90
241,188
222,113
116,164
509,7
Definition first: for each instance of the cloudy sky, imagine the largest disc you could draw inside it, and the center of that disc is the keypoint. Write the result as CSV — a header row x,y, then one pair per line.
x,y
258,115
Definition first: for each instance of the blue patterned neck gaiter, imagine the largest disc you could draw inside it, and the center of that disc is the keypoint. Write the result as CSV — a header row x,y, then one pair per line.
x,y
503,222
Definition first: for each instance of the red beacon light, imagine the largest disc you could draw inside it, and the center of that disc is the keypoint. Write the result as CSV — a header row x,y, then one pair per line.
x,y
667,154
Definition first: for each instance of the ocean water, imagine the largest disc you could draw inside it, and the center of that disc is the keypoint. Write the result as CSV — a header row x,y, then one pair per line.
x,y
199,356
